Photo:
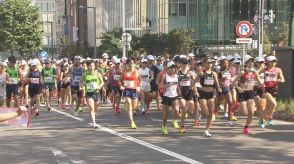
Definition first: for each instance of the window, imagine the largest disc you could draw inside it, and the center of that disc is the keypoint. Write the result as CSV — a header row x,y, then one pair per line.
x,y
51,6
182,9
173,8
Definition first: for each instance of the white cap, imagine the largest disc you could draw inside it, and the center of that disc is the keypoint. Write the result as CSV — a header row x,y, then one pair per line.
x,y
3,64
237,56
34,62
183,56
114,58
143,60
259,59
150,57
88,58
171,63
104,55
215,57
23,62
247,58
237,61
230,57
222,58
78,57
116,61
124,58
271,58
191,55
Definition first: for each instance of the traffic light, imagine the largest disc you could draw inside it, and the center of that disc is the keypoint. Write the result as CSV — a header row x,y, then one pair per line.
x,y
271,16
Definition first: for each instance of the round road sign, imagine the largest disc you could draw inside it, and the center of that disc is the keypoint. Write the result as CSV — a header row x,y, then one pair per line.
x,y
244,29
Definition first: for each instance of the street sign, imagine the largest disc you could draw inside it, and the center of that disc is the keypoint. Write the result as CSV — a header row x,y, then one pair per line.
x,y
244,29
43,55
244,40
126,37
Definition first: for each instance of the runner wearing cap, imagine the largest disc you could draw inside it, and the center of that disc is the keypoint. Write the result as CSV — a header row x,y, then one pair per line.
x,y
170,97
13,86
145,74
259,90
209,82
4,78
131,86
49,78
93,82
233,63
272,76
154,88
247,80
24,95
115,76
75,73
35,87
188,90
65,86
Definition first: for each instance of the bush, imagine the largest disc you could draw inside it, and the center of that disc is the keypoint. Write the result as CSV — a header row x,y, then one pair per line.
x,y
286,105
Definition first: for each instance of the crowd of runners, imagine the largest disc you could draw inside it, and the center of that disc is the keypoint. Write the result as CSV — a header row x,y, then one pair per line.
x,y
193,87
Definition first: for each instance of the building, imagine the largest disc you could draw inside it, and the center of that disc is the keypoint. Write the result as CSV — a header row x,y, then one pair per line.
x,y
51,12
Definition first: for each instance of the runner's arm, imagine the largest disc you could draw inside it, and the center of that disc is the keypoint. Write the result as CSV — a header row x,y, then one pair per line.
x,y
101,80
281,78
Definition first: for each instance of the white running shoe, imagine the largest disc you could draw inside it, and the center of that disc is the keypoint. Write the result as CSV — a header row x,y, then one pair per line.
x,y
206,133
226,115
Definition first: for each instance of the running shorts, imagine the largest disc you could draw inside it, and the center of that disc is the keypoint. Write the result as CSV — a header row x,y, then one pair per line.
x,y
246,95
168,101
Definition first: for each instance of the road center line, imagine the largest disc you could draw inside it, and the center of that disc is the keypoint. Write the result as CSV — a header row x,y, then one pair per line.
x,y
143,143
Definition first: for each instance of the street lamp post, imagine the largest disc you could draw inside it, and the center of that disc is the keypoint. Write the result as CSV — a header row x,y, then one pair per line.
x,y
94,12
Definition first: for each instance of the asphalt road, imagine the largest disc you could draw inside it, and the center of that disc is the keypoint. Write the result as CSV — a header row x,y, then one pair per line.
x,y
56,137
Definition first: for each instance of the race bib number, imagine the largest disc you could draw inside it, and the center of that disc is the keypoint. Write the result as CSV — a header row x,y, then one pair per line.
x,y
226,83
249,83
208,81
35,80
271,77
48,79
129,84
14,80
185,83
117,77
77,79
92,86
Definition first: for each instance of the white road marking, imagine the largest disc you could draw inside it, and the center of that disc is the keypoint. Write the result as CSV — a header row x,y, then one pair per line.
x,y
146,144
62,158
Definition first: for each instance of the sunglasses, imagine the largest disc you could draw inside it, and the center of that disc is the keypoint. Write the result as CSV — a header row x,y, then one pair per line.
x,y
145,62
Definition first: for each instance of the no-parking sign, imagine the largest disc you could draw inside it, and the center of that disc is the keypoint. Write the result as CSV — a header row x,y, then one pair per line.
x,y
244,29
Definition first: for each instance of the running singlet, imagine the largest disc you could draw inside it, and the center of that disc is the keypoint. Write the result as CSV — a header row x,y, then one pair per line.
x,y
233,72
184,81
13,74
76,76
34,77
115,77
47,73
207,80
171,86
144,74
130,81
92,81
271,77
248,79
225,78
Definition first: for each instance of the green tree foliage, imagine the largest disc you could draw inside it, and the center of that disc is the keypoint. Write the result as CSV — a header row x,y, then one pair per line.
x,y
155,44
180,41
20,26
111,42
267,44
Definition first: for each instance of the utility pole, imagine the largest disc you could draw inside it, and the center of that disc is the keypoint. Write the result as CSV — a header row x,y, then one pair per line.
x,y
124,24
260,28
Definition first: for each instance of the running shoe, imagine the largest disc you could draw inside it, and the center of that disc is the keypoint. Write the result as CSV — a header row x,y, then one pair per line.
x,y
186,115
226,115
164,130
233,118
49,108
230,123
117,110
66,104
62,106
206,133
95,126
80,110
175,124
36,111
196,123
261,124
247,131
143,111
182,129
270,122
133,125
